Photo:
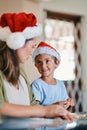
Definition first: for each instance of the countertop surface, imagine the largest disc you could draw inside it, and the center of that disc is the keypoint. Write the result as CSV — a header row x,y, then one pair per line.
x,y
42,124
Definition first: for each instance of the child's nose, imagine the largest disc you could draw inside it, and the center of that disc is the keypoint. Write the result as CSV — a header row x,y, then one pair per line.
x,y
43,65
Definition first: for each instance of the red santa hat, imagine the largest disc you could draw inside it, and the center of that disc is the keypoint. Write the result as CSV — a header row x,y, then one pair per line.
x,y
15,29
44,48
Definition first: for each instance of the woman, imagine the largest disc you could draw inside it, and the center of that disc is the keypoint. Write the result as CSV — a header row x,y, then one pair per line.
x,y
18,34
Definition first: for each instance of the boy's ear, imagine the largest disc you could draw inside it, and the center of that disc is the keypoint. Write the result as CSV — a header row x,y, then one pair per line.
x,y
57,63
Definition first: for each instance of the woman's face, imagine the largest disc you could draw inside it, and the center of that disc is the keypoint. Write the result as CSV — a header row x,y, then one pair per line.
x,y
26,51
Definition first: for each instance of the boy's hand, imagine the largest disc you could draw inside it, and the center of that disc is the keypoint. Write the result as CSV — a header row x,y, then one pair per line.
x,y
69,103
66,104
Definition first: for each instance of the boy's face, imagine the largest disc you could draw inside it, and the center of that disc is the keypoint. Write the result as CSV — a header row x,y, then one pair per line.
x,y
46,64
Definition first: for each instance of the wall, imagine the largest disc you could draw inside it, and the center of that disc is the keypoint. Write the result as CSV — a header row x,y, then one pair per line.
x,y
78,7
10,6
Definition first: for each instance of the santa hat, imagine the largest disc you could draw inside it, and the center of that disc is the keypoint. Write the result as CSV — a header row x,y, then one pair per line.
x,y
15,29
44,48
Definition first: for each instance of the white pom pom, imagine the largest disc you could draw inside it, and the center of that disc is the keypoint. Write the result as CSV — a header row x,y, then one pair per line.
x,y
4,33
16,40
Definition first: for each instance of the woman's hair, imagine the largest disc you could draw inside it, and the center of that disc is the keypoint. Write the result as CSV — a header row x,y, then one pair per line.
x,y
9,63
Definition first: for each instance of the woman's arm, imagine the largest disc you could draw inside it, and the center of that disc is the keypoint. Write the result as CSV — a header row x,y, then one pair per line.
x,y
50,111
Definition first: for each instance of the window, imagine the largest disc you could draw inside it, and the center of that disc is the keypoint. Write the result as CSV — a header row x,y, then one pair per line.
x,y
61,35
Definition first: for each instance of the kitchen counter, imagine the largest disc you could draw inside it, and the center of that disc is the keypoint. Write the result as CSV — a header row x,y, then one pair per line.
x,y
42,124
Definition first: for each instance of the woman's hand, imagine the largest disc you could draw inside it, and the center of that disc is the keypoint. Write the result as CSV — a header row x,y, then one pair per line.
x,y
59,111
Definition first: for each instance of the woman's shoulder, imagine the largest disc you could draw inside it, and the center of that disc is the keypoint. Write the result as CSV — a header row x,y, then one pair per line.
x,y
0,72
1,75
1,81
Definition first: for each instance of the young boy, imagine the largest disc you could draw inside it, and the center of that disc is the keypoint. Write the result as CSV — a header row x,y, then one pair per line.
x,y
46,88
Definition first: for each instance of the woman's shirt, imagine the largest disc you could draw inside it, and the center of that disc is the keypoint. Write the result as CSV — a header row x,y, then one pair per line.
x,y
48,94
3,91
17,96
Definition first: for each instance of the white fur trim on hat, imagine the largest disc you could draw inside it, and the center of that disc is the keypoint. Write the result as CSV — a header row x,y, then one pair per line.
x,y
31,32
16,40
46,50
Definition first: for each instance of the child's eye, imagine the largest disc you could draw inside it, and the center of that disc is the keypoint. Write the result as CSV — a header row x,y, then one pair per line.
x,y
47,61
38,62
